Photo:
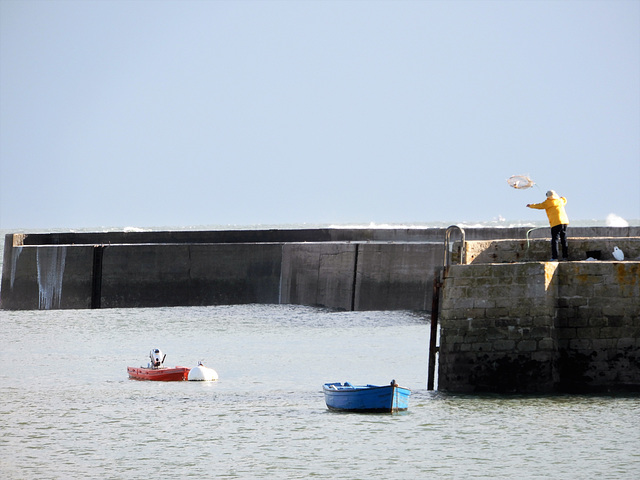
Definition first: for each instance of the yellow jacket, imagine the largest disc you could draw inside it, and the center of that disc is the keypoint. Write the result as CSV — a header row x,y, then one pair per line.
x,y
554,208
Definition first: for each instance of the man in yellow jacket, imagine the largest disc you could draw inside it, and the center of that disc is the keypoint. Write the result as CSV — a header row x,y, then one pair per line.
x,y
554,207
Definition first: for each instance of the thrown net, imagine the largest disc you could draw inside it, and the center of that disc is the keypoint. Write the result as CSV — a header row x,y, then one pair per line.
x,y
520,181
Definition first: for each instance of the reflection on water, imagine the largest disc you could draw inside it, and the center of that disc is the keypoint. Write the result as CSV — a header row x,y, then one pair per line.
x,y
68,410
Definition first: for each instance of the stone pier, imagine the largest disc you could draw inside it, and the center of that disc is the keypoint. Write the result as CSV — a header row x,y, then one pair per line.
x,y
541,327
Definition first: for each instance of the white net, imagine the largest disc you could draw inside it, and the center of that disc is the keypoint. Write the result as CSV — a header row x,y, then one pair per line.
x,y
520,182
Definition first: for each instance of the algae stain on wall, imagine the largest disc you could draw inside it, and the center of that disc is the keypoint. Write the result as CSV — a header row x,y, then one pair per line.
x,y
15,254
50,264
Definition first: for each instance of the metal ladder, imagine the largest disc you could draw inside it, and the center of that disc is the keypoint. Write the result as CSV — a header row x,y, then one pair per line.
x,y
438,280
448,246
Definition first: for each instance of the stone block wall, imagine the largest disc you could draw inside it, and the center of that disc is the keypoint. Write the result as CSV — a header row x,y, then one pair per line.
x,y
580,248
540,327
598,325
497,328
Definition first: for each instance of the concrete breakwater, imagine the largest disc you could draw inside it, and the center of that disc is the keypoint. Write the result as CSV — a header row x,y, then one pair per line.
x,y
214,268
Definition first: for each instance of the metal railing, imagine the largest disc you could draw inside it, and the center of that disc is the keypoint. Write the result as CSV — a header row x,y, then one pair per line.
x,y
531,230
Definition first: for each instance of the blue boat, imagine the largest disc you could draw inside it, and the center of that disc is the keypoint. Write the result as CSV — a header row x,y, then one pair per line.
x,y
366,398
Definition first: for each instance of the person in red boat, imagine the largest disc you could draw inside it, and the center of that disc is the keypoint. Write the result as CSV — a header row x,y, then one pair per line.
x,y
157,359
558,219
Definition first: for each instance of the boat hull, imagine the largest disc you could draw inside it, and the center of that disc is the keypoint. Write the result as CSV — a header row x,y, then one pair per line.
x,y
158,374
366,398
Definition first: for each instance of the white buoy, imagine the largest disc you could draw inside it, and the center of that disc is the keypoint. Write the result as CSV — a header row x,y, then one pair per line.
x,y
618,254
202,374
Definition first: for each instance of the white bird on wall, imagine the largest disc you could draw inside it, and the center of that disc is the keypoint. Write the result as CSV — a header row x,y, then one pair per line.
x,y
618,254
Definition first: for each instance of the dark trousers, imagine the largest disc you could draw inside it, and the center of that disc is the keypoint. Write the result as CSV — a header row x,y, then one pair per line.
x,y
559,232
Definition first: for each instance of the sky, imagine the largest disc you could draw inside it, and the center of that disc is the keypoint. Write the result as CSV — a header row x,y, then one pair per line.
x,y
185,113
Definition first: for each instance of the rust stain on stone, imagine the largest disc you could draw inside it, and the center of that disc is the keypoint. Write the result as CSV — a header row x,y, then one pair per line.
x,y
628,274
582,277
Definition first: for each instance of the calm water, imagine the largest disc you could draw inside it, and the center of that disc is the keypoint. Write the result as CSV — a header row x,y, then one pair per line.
x,y
68,410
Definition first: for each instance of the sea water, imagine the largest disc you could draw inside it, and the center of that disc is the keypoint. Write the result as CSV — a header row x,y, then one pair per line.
x,y
69,411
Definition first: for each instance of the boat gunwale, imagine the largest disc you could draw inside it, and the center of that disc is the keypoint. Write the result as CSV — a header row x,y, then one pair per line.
x,y
341,388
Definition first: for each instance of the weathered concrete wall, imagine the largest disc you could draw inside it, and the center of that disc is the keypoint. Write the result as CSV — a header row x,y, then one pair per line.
x,y
319,274
190,275
341,275
540,327
362,275
65,276
49,277
392,276
359,276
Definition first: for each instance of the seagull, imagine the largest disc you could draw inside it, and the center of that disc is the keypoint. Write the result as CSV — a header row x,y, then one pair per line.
x,y
618,254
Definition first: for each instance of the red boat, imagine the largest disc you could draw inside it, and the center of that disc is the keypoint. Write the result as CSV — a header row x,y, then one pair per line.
x,y
163,374
155,370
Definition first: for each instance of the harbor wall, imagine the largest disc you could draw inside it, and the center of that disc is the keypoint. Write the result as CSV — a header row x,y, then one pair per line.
x,y
540,327
341,275
343,268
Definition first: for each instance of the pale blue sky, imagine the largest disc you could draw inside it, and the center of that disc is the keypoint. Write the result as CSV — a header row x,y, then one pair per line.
x,y
185,113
